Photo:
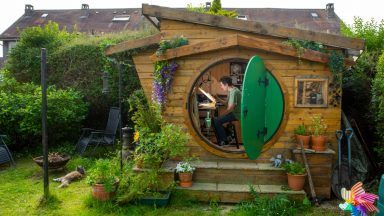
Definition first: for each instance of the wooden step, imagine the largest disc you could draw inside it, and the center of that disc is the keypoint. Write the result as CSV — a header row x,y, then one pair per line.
x,y
238,172
234,193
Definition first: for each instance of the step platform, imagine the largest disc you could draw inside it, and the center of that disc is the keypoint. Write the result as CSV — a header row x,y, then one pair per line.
x,y
229,181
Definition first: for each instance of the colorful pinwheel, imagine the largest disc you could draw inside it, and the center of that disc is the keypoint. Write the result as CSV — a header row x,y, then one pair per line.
x,y
357,201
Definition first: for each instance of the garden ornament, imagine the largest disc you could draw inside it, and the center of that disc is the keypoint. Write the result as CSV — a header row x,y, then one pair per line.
x,y
277,160
357,201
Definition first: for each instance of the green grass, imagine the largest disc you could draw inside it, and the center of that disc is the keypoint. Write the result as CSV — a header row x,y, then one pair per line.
x,y
21,190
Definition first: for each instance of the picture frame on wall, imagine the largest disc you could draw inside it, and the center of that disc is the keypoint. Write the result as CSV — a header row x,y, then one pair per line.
x,y
311,92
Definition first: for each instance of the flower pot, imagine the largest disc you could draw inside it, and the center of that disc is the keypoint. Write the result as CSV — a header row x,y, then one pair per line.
x,y
318,143
162,199
305,140
99,192
185,179
296,182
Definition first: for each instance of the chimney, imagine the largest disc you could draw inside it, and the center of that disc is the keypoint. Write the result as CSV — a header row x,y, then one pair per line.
x,y
28,10
84,11
330,9
207,5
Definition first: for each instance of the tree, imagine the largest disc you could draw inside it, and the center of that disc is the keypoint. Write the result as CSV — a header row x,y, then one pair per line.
x,y
24,59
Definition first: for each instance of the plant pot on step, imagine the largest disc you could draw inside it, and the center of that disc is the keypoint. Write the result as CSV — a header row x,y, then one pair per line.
x,y
319,143
185,179
100,193
296,182
305,140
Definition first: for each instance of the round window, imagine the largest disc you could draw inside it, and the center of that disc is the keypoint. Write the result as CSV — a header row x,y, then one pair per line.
x,y
208,104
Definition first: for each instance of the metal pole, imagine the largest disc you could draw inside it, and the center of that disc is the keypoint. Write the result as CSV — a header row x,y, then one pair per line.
x,y
120,119
44,119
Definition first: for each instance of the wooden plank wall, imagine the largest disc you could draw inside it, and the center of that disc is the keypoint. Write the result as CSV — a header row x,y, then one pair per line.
x,y
283,66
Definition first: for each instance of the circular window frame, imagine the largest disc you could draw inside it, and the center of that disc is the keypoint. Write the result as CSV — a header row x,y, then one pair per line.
x,y
201,139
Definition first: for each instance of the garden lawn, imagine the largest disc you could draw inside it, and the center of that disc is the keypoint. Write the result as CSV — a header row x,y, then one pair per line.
x,y
21,189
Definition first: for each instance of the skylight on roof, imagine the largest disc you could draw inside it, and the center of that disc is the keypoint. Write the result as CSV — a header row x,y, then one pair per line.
x,y
44,15
121,18
242,17
315,15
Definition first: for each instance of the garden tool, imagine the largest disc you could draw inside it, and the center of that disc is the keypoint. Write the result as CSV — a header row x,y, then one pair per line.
x,y
349,134
311,186
344,175
336,186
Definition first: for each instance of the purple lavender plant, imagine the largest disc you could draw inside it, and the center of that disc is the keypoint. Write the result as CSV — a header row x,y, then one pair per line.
x,y
163,77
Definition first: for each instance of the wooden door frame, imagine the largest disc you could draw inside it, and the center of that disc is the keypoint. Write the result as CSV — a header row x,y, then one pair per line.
x,y
199,138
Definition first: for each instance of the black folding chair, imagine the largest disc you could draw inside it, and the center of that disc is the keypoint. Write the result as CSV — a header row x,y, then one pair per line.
x,y
5,154
100,137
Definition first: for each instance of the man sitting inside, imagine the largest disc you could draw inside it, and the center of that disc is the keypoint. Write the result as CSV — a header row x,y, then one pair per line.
x,y
232,113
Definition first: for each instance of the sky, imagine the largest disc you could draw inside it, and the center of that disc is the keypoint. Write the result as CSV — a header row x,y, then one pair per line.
x,y
345,9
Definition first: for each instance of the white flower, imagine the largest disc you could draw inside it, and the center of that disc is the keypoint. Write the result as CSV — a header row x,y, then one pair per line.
x,y
184,167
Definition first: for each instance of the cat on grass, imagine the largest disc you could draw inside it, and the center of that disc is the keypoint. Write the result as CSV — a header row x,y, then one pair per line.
x,y
72,176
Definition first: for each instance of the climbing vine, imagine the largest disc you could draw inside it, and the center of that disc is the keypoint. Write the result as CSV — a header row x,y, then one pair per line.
x,y
165,70
335,64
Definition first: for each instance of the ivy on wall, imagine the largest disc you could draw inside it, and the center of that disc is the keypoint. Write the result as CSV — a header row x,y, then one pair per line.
x,y
336,65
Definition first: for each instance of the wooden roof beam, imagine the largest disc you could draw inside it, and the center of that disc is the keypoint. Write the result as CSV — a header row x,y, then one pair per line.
x,y
252,26
206,46
283,49
243,41
132,44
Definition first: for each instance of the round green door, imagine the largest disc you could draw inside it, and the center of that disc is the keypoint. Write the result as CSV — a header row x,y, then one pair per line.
x,y
262,107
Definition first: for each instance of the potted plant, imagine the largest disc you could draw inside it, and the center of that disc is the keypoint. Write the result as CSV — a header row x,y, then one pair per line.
x,y
318,130
296,175
104,179
302,136
156,142
185,172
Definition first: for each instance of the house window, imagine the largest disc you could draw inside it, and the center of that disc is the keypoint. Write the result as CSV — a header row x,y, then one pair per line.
x,y
121,18
242,17
311,92
11,45
314,15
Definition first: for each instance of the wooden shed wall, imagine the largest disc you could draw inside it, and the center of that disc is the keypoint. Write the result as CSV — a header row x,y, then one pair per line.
x,y
285,68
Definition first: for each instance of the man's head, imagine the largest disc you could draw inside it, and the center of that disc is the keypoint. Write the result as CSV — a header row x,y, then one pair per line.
x,y
225,82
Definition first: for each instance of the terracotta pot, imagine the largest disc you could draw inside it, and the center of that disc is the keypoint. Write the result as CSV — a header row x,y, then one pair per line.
x,y
305,140
296,182
318,143
185,179
99,193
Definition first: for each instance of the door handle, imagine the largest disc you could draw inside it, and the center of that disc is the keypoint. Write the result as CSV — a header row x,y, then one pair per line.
x,y
245,112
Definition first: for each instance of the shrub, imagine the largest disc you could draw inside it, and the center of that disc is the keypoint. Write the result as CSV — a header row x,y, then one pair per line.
x,y
214,10
24,59
20,112
378,104
106,172
266,205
